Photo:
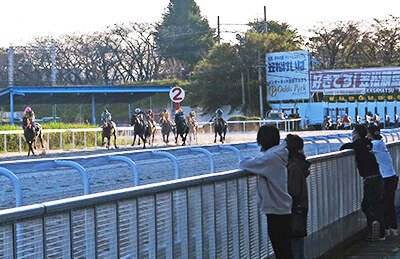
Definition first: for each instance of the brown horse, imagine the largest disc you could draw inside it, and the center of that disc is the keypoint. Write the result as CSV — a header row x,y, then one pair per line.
x,y
109,129
32,133
152,128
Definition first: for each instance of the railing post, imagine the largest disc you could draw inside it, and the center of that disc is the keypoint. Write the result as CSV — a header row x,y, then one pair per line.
x,y
48,141
16,184
20,142
208,154
5,143
131,164
172,158
61,141
80,169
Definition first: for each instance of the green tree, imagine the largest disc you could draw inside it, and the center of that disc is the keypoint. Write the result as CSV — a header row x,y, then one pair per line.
x,y
216,79
183,34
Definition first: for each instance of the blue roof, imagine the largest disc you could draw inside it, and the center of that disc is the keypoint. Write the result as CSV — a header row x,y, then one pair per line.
x,y
80,93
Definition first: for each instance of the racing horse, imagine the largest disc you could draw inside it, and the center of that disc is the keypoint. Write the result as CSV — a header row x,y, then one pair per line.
x,y
109,130
152,129
32,132
141,129
220,128
166,129
182,129
193,130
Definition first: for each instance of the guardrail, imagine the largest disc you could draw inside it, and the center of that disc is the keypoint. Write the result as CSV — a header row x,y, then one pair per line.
x,y
212,216
60,138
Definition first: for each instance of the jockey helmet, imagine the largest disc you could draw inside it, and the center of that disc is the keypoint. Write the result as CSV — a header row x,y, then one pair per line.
x,y
219,111
137,110
165,110
149,111
28,109
180,110
193,113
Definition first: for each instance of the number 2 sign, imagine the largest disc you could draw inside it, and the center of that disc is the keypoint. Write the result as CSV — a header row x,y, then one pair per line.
x,y
176,94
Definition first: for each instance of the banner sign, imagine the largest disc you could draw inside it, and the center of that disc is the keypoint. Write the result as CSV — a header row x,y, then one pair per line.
x,y
356,81
288,75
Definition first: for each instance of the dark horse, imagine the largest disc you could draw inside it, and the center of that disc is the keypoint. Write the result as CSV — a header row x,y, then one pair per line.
x,y
220,128
182,129
141,129
166,128
32,132
109,129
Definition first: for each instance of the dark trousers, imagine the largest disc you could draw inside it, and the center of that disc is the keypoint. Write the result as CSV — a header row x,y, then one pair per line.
x,y
372,203
390,186
279,234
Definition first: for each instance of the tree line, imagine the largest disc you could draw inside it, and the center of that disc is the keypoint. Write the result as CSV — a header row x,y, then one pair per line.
x,y
183,46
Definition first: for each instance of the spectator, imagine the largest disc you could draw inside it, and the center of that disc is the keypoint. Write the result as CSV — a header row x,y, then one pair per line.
x,y
390,179
298,171
368,169
274,199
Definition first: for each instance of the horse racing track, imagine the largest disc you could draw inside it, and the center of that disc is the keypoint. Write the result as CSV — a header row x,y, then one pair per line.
x,y
43,180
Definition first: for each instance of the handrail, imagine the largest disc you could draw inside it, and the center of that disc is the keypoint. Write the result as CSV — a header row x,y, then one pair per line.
x,y
335,137
234,149
16,183
80,169
326,140
312,140
131,163
208,154
173,159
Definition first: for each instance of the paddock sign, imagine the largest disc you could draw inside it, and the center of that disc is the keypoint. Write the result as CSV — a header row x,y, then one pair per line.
x,y
176,94
288,75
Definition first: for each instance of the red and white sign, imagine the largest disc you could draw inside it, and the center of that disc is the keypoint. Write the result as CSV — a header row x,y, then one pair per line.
x,y
176,94
356,81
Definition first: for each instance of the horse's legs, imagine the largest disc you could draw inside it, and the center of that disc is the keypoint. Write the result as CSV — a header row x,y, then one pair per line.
x,y
215,138
144,141
134,138
115,141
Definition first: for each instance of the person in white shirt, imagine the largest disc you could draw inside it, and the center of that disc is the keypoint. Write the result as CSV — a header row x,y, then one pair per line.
x,y
390,178
272,188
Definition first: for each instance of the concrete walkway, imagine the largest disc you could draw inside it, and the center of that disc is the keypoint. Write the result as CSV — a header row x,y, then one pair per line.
x,y
390,248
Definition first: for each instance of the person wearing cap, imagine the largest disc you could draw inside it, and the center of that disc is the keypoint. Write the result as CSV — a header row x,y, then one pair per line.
x,y
368,169
29,118
390,179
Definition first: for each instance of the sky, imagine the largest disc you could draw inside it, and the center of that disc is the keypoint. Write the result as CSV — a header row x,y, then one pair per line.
x,y
22,20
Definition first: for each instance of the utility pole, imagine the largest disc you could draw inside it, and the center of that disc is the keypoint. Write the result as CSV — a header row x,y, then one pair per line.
x,y
260,86
218,30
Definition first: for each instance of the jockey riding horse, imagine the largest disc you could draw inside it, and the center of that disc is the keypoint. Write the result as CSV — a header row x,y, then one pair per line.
x,y
32,130
220,125
182,128
109,129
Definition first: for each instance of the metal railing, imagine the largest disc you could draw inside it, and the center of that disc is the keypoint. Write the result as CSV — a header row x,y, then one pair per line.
x,y
212,216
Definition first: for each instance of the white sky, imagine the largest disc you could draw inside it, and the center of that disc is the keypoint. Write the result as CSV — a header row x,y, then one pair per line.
x,y
21,20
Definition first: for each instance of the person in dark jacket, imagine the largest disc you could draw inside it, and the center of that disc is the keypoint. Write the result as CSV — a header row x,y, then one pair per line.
x,y
298,171
368,168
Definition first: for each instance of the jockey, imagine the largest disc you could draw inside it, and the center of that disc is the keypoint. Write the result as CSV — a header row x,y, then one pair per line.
x,y
106,115
218,115
192,118
150,116
29,117
164,116
179,114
